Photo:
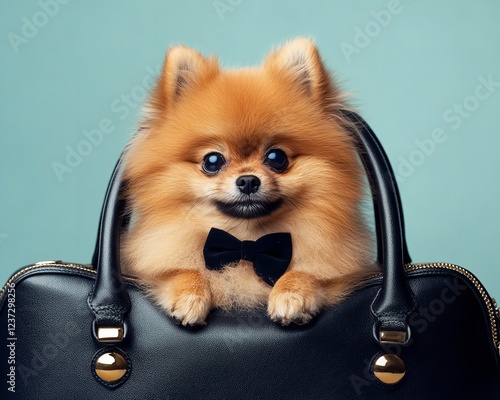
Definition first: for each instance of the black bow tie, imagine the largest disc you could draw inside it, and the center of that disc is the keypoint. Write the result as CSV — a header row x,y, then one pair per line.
x,y
270,254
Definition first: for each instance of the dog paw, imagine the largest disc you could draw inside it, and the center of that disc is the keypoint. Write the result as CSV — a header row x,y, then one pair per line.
x,y
185,295
190,309
287,308
294,299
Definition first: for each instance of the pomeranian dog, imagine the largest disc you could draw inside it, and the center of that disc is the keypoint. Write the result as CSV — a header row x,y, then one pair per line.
x,y
250,151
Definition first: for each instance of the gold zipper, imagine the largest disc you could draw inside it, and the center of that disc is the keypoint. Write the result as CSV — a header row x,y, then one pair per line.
x,y
51,263
497,308
493,311
42,264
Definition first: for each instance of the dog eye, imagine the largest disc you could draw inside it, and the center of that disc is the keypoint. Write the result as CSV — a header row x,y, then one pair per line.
x,y
213,163
277,160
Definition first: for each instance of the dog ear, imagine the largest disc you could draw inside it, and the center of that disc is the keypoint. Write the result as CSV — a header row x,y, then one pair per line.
x,y
184,69
300,61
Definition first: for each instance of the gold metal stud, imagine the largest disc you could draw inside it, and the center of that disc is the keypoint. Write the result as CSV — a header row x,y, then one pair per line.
x,y
111,367
109,334
389,369
393,337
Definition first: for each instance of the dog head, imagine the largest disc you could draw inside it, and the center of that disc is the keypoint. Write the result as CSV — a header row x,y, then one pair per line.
x,y
262,145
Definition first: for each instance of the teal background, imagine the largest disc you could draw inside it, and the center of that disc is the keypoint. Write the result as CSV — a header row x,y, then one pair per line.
x,y
407,76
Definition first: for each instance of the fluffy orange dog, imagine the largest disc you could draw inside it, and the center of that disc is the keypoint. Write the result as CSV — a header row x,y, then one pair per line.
x,y
251,151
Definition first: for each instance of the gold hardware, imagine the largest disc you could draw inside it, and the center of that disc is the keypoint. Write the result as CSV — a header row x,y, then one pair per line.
x,y
495,305
389,369
393,337
48,262
39,265
111,367
109,334
492,311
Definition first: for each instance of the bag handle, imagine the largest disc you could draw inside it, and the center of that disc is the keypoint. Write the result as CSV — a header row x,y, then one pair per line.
x,y
394,302
109,301
367,153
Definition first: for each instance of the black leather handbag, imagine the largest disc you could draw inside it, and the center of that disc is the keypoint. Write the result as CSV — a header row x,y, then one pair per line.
x,y
414,332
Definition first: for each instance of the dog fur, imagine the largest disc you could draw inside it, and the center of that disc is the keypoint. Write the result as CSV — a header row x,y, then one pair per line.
x,y
290,103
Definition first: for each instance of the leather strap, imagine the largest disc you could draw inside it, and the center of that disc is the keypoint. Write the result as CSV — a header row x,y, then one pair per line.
x,y
364,130
394,302
109,300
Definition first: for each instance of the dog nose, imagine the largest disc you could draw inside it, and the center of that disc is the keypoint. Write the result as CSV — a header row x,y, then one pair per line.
x,y
248,184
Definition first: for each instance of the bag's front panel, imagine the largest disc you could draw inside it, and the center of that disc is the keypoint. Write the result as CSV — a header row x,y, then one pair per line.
x,y
248,357
51,343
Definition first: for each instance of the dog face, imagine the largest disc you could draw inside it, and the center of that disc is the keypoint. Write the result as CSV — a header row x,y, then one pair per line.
x,y
249,187
260,145
250,151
